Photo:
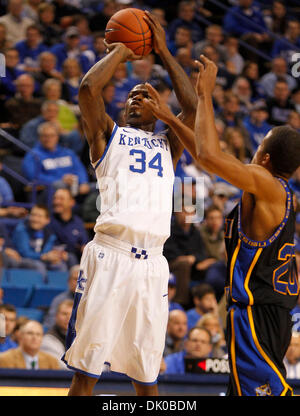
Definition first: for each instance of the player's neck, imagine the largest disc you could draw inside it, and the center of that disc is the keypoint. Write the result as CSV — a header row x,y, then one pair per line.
x,y
145,127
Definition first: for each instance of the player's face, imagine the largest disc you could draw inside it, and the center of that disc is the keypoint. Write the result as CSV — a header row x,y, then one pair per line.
x,y
135,113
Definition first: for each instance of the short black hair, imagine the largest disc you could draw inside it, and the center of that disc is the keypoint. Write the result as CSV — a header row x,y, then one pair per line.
x,y
201,290
283,146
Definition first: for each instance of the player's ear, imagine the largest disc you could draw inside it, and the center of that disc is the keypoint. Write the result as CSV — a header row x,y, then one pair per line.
x,y
266,159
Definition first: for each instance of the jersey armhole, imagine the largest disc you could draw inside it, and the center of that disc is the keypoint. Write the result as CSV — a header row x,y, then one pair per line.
x,y
96,164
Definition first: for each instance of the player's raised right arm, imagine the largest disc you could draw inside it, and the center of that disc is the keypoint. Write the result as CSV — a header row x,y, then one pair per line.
x,y
97,124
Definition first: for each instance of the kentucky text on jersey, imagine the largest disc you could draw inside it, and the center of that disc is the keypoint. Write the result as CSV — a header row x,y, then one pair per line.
x,y
145,141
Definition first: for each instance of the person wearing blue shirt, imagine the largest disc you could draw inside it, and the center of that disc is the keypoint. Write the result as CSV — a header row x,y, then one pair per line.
x,y
33,240
10,314
204,300
50,164
256,124
244,19
197,345
70,48
171,294
287,46
12,72
30,48
68,227
6,193
186,17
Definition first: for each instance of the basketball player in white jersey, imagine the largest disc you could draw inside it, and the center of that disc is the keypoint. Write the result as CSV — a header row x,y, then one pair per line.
x,y
121,305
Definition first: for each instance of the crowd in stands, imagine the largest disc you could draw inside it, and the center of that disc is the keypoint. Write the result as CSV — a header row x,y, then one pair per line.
x,y
47,217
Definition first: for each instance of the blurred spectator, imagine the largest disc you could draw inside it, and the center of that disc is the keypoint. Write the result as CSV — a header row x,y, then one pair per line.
x,y
6,193
69,48
276,19
184,58
289,45
296,99
4,43
294,120
86,38
176,331
28,354
212,234
30,48
182,39
171,293
211,322
23,106
33,240
256,124
16,334
12,71
236,145
204,300
294,183
121,86
46,68
97,50
279,71
247,22
197,345
50,113
31,9
68,294
68,227
53,90
51,164
186,17
234,60
99,20
280,105
251,73
10,314
14,21
242,89
230,113
186,254
51,32
292,357
55,338
64,12
72,74
224,77
214,38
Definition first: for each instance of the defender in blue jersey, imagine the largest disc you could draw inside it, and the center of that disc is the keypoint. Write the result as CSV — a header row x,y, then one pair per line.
x,y
262,284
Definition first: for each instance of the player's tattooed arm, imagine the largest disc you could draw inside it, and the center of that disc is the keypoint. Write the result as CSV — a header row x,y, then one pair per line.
x,y
182,85
97,124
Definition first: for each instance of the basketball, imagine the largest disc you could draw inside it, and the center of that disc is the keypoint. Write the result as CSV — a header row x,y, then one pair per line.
x,y
129,27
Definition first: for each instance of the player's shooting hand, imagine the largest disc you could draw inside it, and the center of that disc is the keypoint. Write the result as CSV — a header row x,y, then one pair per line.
x,y
206,80
158,32
156,105
127,54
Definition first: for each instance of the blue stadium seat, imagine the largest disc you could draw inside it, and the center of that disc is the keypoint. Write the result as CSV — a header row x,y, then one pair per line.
x,y
18,296
58,279
31,313
22,277
43,296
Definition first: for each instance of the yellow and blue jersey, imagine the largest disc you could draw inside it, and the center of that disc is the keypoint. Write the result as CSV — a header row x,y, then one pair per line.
x,y
262,272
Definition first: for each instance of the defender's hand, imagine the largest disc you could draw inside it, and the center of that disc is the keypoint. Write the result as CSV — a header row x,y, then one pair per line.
x,y
156,105
127,54
158,32
206,80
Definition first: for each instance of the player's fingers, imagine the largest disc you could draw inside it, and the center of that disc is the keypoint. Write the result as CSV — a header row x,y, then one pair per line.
x,y
152,91
150,18
200,66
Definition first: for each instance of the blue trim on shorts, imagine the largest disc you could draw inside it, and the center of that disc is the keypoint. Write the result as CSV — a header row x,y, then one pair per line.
x,y
107,146
130,378
78,369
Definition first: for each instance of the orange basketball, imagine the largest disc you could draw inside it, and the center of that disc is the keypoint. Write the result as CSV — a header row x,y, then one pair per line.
x,y
129,27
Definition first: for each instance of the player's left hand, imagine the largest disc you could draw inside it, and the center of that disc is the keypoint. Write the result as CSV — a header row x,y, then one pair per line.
x,y
158,32
206,80
156,105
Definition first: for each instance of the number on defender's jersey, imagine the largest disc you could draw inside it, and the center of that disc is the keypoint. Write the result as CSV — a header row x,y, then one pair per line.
x,y
140,162
285,279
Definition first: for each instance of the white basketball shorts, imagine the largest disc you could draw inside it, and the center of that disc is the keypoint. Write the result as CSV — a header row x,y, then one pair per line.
x,y
120,310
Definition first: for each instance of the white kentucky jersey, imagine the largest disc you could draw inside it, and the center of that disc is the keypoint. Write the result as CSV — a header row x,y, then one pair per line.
x,y
135,177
